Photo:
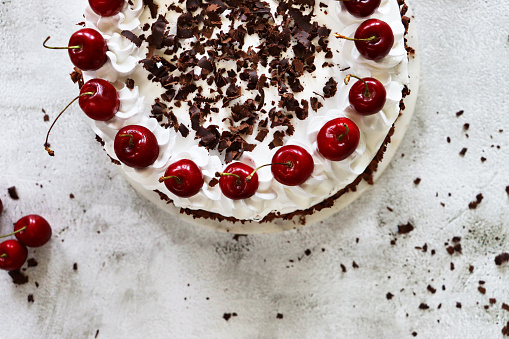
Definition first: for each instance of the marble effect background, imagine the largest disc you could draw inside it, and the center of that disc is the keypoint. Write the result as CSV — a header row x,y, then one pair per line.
x,y
142,273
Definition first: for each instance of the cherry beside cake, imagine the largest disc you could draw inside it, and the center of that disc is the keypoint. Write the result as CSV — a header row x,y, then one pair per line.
x,y
250,111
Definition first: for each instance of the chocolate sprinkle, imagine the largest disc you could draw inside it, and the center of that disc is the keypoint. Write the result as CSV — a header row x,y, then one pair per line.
x,y
502,258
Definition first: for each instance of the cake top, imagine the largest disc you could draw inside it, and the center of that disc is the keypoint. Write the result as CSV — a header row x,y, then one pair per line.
x,y
221,82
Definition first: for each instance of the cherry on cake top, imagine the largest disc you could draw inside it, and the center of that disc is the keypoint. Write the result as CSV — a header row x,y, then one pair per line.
x,y
238,181
367,96
360,8
87,49
136,146
183,178
106,7
292,165
373,39
338,139
99,101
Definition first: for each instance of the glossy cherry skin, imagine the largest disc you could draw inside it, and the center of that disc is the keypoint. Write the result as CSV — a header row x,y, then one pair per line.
x,y
238,188
371,104
378,48
106,7
37,233
299,168
188,178
330,143
92,54
16,255
361,8
103,104
140,151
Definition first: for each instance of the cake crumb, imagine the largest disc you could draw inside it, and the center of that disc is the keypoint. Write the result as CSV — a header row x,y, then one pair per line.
x,y
279,316
13,193
478,199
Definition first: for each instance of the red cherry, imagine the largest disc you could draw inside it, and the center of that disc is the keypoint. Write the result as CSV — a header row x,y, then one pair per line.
x,y
12,255
367,96
361,8
98,99
292,165
92,54
103,102
238,181
87,49
338,138
106,7
373,38
381,45
37,230
183,178
136,146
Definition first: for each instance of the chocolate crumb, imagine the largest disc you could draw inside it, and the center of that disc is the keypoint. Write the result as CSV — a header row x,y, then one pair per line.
x,y
507,190
227,316
473,205
389,296
279,316
481,290
96,334
13,193
71,196
505,330
471,268
404,229
423,306
18,278
502,258
354,265
414,334
213,182
30,298
236,237
458,305
32,262
452,266
307,252
431,289
75,266
505,307
463,151
417,181
460,113
466,127
343,268
493,301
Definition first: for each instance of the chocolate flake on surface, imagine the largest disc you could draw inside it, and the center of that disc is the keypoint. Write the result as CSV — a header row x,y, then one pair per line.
x,y
32,262
13,193
18,278
478,199
404,229
502,258
30,298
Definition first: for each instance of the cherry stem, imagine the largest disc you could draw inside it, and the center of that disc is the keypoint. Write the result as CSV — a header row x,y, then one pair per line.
x,y
8,235
46,145
341,136
179,181
3,255
371,38
69,47
131,142
288,164
347,80
233,175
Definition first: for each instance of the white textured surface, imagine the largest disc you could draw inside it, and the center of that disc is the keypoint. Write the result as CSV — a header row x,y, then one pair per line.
x,y
142,273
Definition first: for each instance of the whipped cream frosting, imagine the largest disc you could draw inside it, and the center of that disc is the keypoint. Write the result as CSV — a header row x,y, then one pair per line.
x,y
328,176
